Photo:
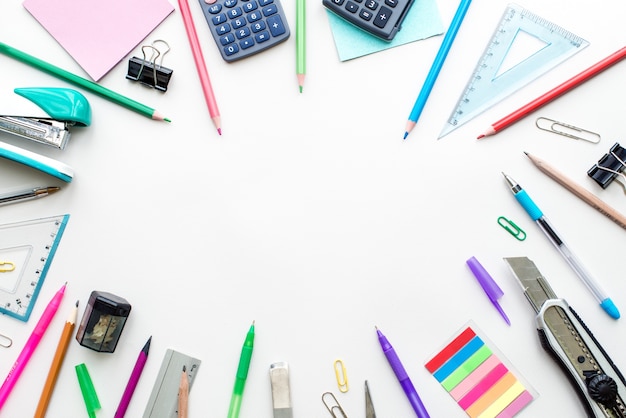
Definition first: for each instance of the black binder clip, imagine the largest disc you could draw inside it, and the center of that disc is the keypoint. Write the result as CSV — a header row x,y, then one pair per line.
x,y
609,167
147,71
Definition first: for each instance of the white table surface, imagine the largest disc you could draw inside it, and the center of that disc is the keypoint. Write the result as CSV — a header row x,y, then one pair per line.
x,y
312,217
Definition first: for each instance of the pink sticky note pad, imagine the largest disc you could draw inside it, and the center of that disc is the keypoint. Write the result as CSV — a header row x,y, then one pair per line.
x,y
99,34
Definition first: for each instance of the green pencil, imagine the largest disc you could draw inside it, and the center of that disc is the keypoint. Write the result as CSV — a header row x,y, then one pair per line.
x,y
82,82
300,41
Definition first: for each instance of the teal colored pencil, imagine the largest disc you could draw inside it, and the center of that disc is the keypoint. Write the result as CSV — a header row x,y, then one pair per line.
x,y
81,82
300,41
437,64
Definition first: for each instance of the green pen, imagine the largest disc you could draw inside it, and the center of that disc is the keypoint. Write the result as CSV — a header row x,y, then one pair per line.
x,y
242,373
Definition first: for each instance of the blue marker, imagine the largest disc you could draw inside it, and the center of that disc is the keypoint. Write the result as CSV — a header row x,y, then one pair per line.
x,y
535,213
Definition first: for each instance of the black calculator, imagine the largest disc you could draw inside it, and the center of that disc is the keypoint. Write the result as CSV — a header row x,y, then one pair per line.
x,y
242,28
381,18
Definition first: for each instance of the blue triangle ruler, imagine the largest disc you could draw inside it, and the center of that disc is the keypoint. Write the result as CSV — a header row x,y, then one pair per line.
x,y
491,81
26,252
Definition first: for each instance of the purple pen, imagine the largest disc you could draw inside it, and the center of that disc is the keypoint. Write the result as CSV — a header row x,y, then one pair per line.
x,y
403,377
133,380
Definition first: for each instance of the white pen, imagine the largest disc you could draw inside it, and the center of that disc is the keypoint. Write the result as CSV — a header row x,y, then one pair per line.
x,y
535,213
28,194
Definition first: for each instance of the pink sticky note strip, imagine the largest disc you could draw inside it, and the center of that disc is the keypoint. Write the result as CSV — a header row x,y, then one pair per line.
x,y
99,34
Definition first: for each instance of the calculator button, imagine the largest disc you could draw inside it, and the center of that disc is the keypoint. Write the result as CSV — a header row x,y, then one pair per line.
x,y
371,4
258,26
265,2
366,15
214,9
237,23
219,19
338,2
222,29
230,3
262,37
269,10
210,1
276,25
382,17
231,49
254,16
391,3
236,12
352,7
250,6
242,33
247,43
229,38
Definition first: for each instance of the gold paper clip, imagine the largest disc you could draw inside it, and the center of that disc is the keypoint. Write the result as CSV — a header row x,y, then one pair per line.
x,y
5,341
331,408
512,228
566,130
341,375
6,266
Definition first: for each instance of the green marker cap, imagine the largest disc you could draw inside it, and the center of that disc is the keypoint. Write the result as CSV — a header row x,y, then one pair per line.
x,y
89,392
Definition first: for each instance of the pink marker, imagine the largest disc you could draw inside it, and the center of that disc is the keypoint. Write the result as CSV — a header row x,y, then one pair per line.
x,y
31,345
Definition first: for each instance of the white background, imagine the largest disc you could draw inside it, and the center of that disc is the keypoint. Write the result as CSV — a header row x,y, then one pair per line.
x,y
312,217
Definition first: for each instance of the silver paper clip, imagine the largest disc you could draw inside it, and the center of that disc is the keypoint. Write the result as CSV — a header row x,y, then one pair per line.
x,y
569,131
5,341
333,405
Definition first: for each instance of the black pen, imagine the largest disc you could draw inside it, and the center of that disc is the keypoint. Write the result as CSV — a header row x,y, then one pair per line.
x,y
28,194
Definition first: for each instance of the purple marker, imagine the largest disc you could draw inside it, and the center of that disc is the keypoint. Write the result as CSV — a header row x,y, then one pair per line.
x,y
402,376
489,285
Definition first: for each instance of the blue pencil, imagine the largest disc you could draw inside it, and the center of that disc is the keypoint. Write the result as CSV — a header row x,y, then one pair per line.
x,y
437,64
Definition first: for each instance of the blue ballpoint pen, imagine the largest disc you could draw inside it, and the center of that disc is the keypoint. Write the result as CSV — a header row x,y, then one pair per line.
x,y
433,73
535,213
402,376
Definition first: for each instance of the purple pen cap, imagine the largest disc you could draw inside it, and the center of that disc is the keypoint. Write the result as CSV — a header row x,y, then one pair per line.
x,y
489,285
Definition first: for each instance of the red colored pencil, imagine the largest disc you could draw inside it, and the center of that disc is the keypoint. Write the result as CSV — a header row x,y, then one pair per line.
x,y
555,92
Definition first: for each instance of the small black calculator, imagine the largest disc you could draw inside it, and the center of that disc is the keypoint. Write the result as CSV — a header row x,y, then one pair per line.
x,y
381,18
242,28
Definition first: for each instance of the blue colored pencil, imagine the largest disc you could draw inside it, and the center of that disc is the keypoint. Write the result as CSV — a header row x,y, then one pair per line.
x,y
437,64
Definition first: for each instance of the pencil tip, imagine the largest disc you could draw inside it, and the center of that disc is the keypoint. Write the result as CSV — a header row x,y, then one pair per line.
x,y
525,153
184,368
480,136
167,119
300,89
77,304
219,131
405,135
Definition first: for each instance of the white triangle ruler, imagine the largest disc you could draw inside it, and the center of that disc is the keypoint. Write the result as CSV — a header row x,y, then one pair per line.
x,y
494,78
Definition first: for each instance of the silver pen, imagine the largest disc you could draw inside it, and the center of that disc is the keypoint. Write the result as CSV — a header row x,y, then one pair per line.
x,y
28,194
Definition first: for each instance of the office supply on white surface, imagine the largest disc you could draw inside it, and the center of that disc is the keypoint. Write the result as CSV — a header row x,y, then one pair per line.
x,y
27,194
610,167
39,162
494,78
281,392
422,21
149,69
30,246
567,130
163,401
99,34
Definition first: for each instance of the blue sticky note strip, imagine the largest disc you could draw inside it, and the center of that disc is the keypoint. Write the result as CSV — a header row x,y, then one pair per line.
x,y
461,356
422,21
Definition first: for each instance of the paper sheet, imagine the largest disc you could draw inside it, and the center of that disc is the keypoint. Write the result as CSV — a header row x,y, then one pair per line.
x,y
99,34
422,21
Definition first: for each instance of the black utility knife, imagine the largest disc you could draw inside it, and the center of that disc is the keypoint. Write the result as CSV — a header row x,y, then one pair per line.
x,y
597,380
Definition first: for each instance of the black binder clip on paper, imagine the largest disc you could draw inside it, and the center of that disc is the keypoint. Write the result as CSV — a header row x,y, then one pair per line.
x,y
609,167
147,71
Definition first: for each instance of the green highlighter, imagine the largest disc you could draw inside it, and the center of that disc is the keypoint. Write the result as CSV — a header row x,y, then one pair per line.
x,y
89,392
242,374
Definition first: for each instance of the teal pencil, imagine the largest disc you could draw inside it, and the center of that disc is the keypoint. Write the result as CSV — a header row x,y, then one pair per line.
x,y
82,82
300,41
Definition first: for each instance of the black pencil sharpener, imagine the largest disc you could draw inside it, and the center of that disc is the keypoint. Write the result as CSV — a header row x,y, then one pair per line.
x,y
103,321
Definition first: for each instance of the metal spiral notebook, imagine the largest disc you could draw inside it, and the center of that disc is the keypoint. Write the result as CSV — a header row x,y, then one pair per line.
x,y
26,252
492,80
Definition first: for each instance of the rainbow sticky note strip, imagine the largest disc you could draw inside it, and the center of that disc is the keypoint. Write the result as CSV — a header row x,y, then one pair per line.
x,y
478,379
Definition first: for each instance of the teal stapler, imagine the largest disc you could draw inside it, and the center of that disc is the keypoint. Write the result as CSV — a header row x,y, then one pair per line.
x,y
66,108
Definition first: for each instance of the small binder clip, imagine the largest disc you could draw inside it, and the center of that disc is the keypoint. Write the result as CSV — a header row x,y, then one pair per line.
x,y
609,167
66,107
147,71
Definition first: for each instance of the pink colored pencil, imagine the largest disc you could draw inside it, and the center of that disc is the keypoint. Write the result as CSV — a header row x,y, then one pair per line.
x,y
200,64
555,92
